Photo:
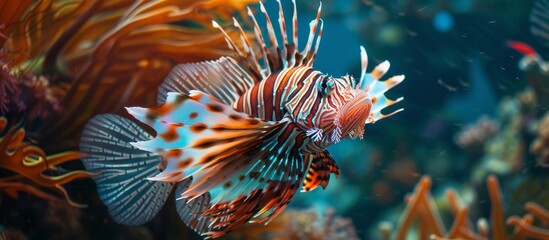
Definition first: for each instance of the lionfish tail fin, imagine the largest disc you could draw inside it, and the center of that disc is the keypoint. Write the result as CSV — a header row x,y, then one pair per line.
x,y
121,182
274,55
233,168
376,89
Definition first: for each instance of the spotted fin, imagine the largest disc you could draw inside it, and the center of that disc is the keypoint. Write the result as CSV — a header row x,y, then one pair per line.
x,y
376,89
322,165
224,79
121,183
539,21
279,55
249,168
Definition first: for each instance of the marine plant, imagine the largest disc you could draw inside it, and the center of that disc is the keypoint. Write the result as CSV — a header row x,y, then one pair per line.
x,y
32,169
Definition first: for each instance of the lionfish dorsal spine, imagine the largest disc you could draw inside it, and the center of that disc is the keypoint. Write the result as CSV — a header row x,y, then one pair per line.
x,y
294,35
248,48
282,25
308,51
275,56
261,41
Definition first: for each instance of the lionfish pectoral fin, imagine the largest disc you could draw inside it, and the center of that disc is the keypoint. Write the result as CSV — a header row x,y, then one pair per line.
x,y
190,210
222,78
376,89
232,167
322,165
123,169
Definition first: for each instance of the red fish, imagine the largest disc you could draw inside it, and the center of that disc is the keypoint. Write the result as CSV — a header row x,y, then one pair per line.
x,y
531,59
521,47
239,136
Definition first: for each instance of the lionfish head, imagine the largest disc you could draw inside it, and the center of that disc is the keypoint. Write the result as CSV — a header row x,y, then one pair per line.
x,y
342,110
347,105
354,114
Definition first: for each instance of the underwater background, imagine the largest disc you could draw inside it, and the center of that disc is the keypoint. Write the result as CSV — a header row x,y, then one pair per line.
x,y
468,158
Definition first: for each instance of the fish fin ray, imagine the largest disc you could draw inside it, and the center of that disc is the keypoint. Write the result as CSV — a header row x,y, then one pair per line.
x,y
190,210
123,169
376,89
277,55
222,78
250,168
322,165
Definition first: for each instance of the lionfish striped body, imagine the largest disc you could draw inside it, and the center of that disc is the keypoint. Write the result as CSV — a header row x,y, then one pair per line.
x,y
238,136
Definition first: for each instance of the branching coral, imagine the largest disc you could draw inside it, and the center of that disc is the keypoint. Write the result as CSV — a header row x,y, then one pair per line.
x,y
421,210
312,224
110,54
523,226
31,165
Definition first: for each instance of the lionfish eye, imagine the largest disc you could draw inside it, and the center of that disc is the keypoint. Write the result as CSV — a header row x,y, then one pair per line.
x,y
326,85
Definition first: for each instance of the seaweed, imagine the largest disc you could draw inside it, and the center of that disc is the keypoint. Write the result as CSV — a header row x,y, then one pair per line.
x,y
32,167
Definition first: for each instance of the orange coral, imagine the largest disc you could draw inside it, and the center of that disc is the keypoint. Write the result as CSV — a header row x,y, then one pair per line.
x,y
30,163
523,226
110,54
420,209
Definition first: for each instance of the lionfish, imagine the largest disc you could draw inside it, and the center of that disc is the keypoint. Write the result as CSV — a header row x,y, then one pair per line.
x,y
238,135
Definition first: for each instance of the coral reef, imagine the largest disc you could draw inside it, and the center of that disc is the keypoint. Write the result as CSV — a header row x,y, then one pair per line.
x,y
475,135
540,146
498,146
33,170
21,91
312,224
420,209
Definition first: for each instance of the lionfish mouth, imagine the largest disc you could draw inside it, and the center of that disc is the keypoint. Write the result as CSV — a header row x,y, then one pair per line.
x,y
353,115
